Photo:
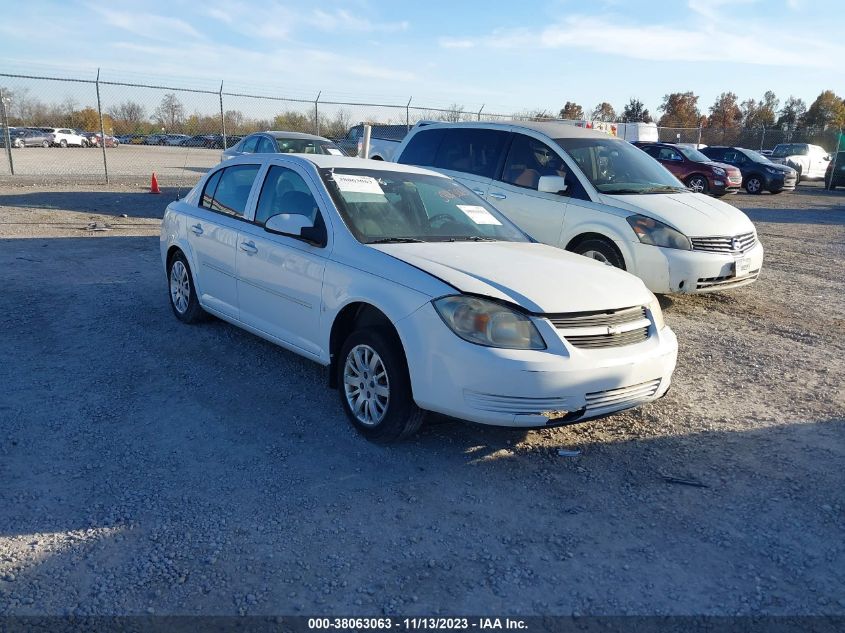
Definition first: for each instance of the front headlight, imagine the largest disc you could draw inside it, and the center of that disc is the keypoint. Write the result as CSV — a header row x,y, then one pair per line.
x,y
488,323
650,231
719,171
656,313
771,171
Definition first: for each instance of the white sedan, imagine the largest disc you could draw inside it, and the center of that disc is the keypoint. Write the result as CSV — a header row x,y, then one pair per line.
x,y
417,294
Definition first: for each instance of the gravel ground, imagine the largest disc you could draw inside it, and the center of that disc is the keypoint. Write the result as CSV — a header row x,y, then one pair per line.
x,y
153,467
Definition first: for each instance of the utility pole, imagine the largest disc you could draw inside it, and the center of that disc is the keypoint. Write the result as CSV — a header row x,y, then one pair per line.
x,y
4,100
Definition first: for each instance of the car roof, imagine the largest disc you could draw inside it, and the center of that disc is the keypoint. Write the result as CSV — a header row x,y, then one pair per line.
x,y
330,161
552,129
302,135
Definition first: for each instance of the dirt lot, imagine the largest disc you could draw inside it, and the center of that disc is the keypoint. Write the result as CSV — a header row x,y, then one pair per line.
x,y
153,467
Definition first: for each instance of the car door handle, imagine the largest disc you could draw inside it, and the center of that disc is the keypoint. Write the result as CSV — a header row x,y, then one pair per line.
x,y
197,228
478,192
498,196
249,247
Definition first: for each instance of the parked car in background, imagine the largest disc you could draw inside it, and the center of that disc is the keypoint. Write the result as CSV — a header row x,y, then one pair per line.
x,y
138,139
766,152
835,175
417,294
758,172
96,140
810,161
198,140
282,142
694,169
384,140
66,137
175,139
35,138
156,139
596,195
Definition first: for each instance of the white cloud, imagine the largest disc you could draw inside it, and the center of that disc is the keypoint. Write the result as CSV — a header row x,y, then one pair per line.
x,y
148,25
451,42
343,20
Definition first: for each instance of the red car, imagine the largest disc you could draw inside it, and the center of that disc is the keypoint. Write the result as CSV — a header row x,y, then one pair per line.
x,y
694,169
94,140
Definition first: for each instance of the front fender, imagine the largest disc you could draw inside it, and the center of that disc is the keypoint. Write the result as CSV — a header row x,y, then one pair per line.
x,y
606,225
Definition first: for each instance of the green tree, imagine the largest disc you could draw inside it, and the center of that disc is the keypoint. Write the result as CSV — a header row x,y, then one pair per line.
x,y
635,112
572,110
680,109
724,112
604,112
828,110
792,113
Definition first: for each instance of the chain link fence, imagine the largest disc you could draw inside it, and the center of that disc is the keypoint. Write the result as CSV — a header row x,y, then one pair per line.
x,y
109,130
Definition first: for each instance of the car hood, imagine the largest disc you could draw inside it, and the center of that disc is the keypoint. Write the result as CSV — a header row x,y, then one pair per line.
x,y
693,214
725,166
539,278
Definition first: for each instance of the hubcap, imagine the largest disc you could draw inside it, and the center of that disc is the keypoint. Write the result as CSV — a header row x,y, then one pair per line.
x,y
180,287
366,385
754,185
598,256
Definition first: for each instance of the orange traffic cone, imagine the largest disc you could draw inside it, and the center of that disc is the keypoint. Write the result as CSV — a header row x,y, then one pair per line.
x,y
154,185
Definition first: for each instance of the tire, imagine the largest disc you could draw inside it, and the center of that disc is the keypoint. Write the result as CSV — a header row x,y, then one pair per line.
x,y
698,184
45,144
754,185
183,295
798,176
377,359
63,143
600,250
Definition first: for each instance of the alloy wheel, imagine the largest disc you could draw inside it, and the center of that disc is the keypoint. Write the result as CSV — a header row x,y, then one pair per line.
x,y
180,286
598,256
366,385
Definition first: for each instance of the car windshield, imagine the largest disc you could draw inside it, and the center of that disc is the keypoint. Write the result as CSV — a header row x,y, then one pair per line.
x,y
307,146
756,156
693,154
616,167
392,206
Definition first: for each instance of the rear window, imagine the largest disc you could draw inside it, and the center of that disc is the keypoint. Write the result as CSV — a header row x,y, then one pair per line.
x,y
790,149
471,150
422,148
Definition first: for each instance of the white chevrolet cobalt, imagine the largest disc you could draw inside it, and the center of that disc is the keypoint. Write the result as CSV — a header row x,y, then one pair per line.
x,y
416,293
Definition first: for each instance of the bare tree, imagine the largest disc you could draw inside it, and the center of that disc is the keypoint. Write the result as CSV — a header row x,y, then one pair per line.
x,y
453,114
170,114
128,117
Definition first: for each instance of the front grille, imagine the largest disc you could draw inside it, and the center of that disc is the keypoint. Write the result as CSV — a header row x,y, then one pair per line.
x,y
516,405
731,245
609,328
727,281
621,398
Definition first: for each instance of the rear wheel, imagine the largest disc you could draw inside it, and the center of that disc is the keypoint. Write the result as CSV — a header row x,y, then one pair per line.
x,y
63,143
601,250
45,144
183,295
375,387
754,185
698,184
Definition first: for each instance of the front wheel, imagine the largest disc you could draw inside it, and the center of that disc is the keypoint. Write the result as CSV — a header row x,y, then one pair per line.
x,y
754,185
45,144
375,387
602,251
183,295
698,184
63,143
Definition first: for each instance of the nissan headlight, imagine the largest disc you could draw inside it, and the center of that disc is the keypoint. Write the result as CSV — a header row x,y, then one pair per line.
x,y
719,171
650,231
656,313
488,323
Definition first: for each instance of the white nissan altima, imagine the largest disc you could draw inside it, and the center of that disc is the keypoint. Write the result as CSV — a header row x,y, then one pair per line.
x,y
417,294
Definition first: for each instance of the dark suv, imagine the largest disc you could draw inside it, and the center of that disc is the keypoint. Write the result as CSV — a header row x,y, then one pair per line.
x,y
694,169
835,175
758,172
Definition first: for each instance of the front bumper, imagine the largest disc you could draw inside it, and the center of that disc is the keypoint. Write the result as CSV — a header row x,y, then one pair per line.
x,y
531,388
668,270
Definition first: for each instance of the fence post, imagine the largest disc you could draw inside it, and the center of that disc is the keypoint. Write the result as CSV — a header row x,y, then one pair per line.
x,y
698,145
762,137
222,117
102,129
408,114
479,111
317,114
7,136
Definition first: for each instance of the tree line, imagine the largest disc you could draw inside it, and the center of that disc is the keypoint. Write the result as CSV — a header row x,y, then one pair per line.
x,y
680,110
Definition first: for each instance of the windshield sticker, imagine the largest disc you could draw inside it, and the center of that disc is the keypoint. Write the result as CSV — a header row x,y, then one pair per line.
x,y
334,152
357,184
479,215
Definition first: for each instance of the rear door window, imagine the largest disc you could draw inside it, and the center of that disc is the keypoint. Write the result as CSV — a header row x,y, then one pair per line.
x,y
471,150
422,148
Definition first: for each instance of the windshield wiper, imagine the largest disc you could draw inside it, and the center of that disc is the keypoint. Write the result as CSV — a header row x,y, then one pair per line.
x,y
471,238
396,240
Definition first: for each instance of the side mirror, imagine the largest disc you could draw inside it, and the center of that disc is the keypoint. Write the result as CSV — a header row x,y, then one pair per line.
x,y
827,157
297,226
552,184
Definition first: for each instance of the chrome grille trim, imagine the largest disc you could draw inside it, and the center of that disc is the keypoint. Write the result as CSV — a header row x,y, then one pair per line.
x,y
607,328
726,281
745,242
621,398
515,405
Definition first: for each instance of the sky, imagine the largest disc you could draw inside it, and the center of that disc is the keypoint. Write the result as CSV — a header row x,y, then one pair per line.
x,y
503,56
